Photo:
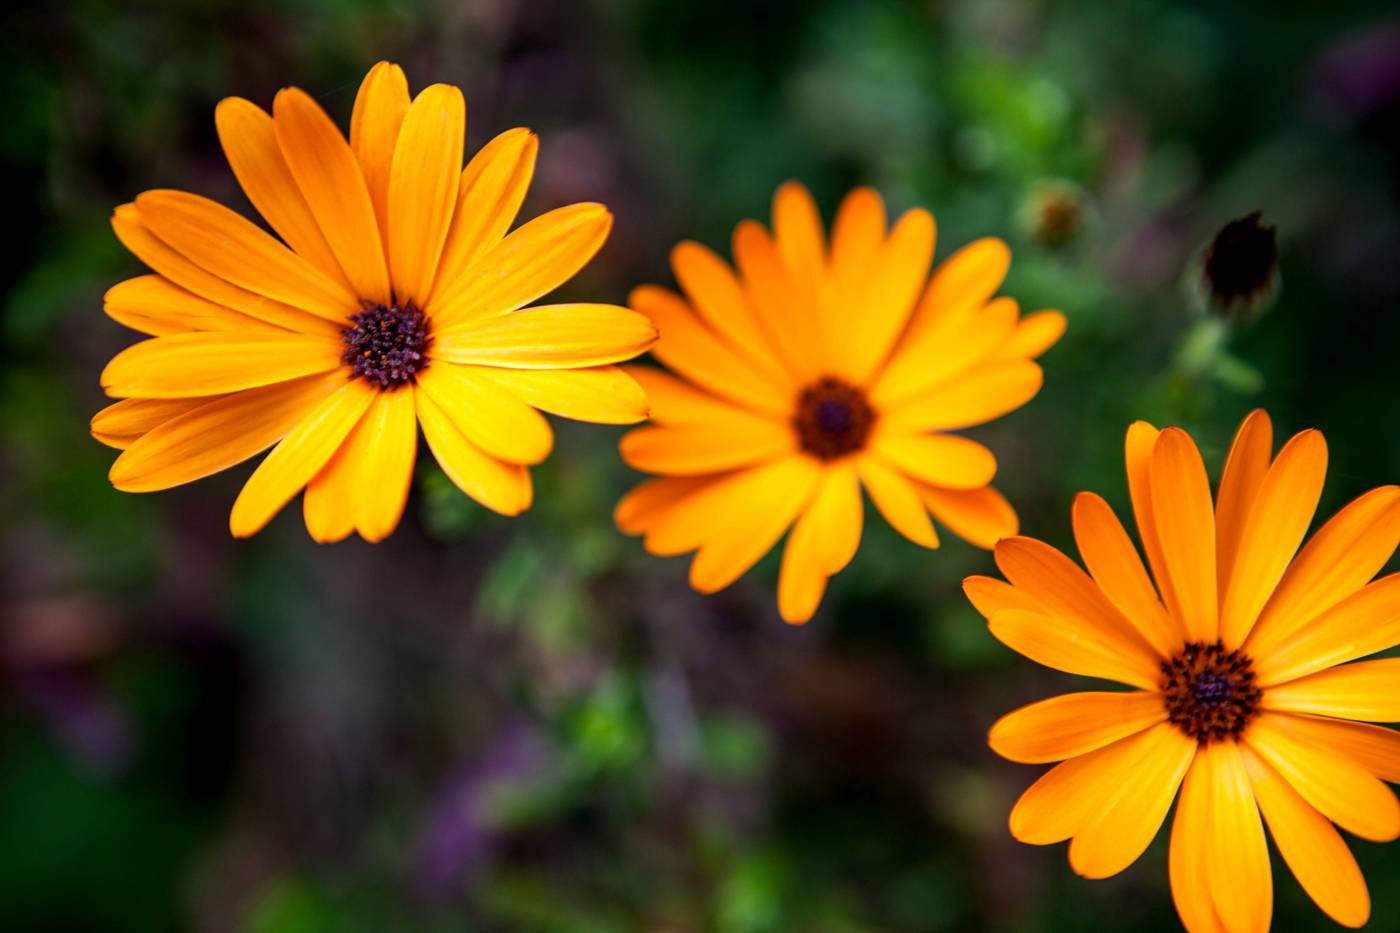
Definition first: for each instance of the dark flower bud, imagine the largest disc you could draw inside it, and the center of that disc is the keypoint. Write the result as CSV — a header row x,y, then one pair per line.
x,y
1054,212
1237,272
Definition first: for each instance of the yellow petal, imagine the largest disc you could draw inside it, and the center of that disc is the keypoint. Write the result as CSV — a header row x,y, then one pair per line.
x,y
187,365
154,305
531,262
1113,562
218,434
157,254
500,486
1344,791
797,228
979,516
899,271
711,447
423,188
1364,623
1120,828
674,401
333,184
233,248
926,359
640,509
1034,334
1057,805
989,596
1185,525
298,457
389,435
132,417
693,351
1239,484
963,282
1073,724
1314,851
1375,748
856,236
1141,439
1341,557
1191,834
976,397
754,519
938,459
328,505
491,189
695,512
898,501
1236,855
1275,525
1367,690
249,139
493,419
785,319
1071,646
822,542
549,337
601,394
374,133
1072,598
719,299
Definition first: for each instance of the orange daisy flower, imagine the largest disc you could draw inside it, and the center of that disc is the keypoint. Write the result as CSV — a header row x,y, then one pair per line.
x,y
818,369
395,297
1244,698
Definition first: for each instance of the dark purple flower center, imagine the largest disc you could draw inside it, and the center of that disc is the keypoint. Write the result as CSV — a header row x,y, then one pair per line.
x,y
833,418
1210,693
387,344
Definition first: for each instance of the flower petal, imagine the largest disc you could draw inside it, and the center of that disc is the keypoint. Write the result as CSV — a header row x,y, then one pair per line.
x,y
1236,855
938,459
1314,851
1119,830
1034,334
641,508
710,447
674,401
208,363
1073,724
963,282
979,516
601,394
1141,439
1364,623
693,351
1113,562
379,112
298,457
1368,690
976,397
1341,557
218,434
491,190
1185,524
388,434
328,505
989,596
249,139
131,417
926,359
531,262
1071,646
797,228
423,188
1239,484
331,180
234,249
790,324
1186,865
898,272
500,486
719,299
898,501
495,420
549,337
154,305
1344,791
1274,526
856,236
822,542
157,254
1375,748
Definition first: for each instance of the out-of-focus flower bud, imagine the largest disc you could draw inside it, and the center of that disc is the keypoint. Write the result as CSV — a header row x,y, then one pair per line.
x,y
1054,212
1236,274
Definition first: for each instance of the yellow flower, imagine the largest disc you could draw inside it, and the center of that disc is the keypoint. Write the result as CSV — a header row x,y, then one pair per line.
x,y
393,299
1235,653
816,370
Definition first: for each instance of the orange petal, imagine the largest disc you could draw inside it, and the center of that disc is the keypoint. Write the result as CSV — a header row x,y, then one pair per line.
x,y
976,397
1073,724
601,394
822,542
1071,646
1375,748
380,107
1185,524
493,419
899,271
674,401
387,442
963,282
926,359
211,363
797,228
774,296
548,337
328,505
1191,834
1141,439
856,236
1314,851
1116,568
1036,333
154,305
1239,484
898,501
979,516
233,248
639,510
710,447
720,301
1368,690
1274,526
1237,857
331,180
990,596
1364,623
423,188
132,417
944,460
500,486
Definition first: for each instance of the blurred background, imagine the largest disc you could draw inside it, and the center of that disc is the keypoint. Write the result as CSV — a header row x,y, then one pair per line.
x,y
529,724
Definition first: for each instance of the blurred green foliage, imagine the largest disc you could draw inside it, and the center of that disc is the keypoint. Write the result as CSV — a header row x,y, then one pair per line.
x,y
529,724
